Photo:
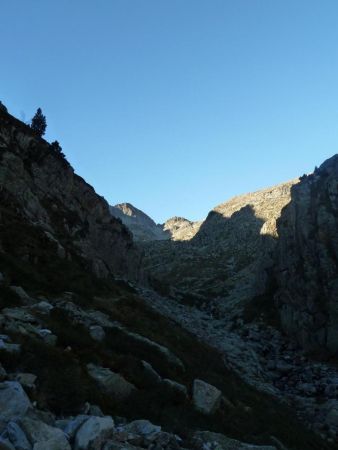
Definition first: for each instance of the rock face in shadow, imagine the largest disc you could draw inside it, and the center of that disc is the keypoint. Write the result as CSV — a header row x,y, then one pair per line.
x,y
227,259
307,260
45,204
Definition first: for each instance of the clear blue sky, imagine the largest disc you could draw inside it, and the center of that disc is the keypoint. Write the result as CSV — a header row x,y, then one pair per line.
x,y
177,105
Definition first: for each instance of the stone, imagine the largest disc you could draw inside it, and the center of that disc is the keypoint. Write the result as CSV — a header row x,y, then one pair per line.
x,y
97,333
10,348
13,400
206,397
26,380
19,314
43,307
93,433
95,410
48,337
143,427
40,433
17,437
112,383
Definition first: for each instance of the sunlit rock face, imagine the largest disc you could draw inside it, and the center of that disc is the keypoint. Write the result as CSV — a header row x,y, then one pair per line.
x,y
227,259
140,224
307,264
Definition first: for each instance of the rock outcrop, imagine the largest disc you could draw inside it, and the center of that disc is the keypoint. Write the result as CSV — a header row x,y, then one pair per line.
x,y
142,226
144,229
307,260
45,204
181,229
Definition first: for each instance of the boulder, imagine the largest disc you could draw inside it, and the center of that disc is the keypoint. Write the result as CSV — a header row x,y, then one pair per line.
x,y
17,437
13,400
93,433
43,307
9,348
97,333
40,433
110,382
27,380
206,398
142,427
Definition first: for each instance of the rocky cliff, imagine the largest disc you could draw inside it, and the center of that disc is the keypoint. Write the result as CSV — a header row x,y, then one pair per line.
x,y
307,260
44,204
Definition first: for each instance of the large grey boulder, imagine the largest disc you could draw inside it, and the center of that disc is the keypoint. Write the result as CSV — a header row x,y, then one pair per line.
x,y
27,380
93,433
97,333
206,398
9,348
17,437
13,400
110,382
44,435
142,427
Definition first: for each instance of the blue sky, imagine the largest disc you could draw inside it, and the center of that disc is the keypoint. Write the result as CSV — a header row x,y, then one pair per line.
x,y
177,105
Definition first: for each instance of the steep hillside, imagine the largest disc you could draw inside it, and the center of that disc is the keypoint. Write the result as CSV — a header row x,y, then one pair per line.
x,y
307,260
85,358
46,208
